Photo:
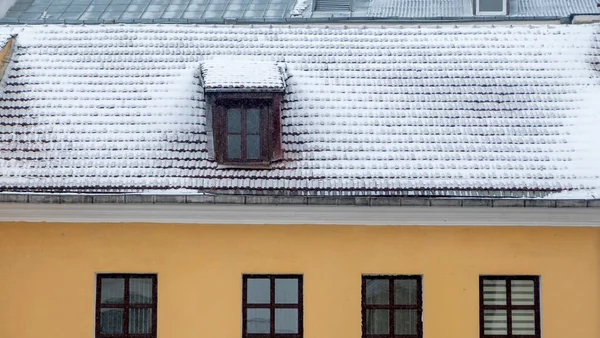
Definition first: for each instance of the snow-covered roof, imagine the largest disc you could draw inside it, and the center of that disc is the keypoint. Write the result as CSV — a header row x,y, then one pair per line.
x,y
460,8
366,110
241,74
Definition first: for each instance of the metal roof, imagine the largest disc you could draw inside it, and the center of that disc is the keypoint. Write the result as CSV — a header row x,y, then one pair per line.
x,y
127,10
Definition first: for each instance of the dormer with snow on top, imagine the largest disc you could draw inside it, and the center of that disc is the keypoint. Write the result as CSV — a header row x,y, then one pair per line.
x,y
490,7
243,111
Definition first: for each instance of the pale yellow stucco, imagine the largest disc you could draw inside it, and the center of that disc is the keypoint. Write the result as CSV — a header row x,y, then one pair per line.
x,y
47,273
5,54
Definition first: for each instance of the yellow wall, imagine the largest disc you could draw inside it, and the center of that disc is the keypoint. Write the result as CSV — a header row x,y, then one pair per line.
x,y
5,54
47,273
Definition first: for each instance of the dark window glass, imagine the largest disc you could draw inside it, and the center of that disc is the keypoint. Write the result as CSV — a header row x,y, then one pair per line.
x,y
509,306
234,120
111,320
244,130
491,5
125,305
253,121
113,291
272,306
234,146
392,306
253,147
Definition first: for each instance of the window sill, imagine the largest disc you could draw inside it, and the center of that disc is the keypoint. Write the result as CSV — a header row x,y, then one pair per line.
x,y
250,166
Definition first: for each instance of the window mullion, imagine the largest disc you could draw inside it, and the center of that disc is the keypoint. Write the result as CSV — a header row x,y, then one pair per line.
x,y
391,306
272,307
243,133
509,307
126,307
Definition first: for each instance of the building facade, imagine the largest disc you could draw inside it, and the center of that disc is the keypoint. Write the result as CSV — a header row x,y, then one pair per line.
x,y
51,270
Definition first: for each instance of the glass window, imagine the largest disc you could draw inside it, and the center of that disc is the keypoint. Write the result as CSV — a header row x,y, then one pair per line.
x,y
392,306
122,311
272,305
244,134
510,306
491,5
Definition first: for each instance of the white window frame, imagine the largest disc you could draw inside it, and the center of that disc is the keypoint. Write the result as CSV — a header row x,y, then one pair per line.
x,y
503,12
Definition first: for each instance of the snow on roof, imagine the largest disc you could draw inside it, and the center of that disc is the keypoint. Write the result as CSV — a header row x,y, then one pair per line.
x,y
366,110
231,73
460,8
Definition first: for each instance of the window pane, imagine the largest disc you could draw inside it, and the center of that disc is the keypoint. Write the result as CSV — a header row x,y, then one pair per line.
x,y
111,320
286,320
258,291
258,320
234,120
140,320
140,290
253,121
253,147
523,322
405,291
378,321
491,5
494,322
234,146
405,321
286,291
494,292
522,292
112,290
378,291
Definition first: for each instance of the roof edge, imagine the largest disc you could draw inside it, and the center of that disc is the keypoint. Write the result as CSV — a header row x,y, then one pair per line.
x,y
482,19
294,200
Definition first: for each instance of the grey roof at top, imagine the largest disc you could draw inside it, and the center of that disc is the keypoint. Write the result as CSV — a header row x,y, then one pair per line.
x,y
462,8
127,10
35,11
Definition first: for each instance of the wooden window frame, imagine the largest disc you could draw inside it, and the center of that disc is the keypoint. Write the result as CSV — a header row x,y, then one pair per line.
x,y
270,126
508,307
391,306
126,305
272,306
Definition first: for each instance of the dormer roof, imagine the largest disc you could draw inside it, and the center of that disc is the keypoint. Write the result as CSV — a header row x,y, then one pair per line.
x,y
227,74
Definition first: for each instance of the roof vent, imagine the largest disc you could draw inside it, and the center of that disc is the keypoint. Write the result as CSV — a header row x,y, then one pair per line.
x,y
333,5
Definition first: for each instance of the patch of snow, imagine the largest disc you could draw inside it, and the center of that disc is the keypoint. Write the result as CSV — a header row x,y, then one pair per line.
x,y
300,6
240,73
383,109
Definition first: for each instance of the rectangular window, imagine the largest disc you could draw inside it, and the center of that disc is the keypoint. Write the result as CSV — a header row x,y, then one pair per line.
x,y
509,306
244,126
392,306
126,305
272,306
491,7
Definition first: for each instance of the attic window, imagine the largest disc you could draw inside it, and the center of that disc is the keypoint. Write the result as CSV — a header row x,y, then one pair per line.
x,y
243,109
491,7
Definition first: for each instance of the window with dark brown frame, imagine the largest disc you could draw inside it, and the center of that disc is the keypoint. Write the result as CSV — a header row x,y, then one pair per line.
x,y
272,306
246,127
509,307
126,305
392,306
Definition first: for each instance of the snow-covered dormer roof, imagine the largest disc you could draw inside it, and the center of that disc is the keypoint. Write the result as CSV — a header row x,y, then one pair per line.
x,y
367,110
240,74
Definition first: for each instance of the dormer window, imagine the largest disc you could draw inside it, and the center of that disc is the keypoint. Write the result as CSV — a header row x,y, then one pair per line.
x,y
243,109
491,7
